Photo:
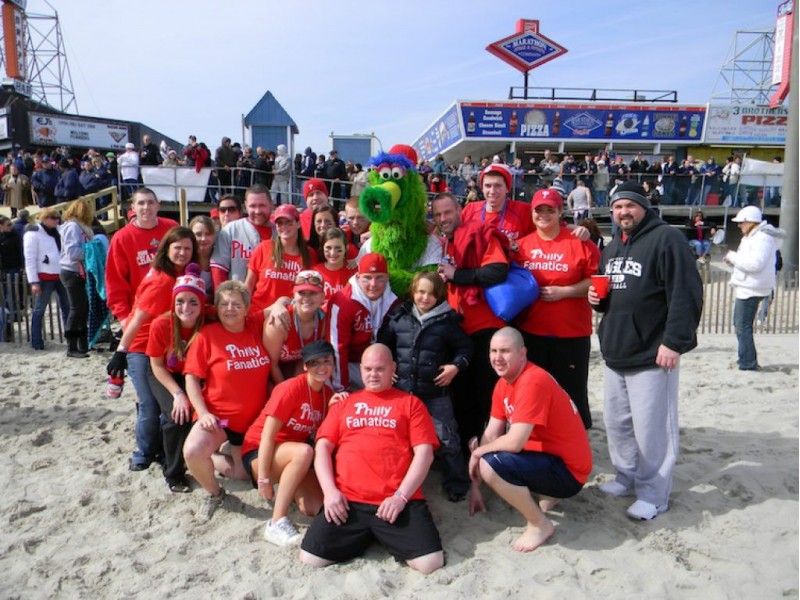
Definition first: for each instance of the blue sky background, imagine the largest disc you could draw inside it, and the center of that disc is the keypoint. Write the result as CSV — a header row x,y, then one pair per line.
x,y
370,66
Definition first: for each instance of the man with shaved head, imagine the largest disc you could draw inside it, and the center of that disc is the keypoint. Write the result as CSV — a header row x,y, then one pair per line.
x,y
383,439
534,450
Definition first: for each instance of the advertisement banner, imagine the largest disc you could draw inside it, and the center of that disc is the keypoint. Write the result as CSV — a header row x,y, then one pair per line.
x,y
57,130
165,181
440,136
744,123
530,121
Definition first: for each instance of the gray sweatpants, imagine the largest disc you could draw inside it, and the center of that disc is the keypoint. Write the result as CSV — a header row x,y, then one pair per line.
x,y
641,418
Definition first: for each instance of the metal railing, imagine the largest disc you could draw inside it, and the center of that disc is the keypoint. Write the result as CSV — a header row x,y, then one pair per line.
x,y
781,317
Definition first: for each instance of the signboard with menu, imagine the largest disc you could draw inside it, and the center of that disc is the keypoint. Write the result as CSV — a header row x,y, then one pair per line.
x,y
745,123
674,123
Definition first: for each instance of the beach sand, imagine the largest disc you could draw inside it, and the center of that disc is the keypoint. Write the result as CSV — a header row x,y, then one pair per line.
x,y
76,523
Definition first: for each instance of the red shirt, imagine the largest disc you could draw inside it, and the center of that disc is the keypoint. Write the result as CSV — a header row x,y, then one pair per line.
x,y
535,398
292,347
271,282
154,297
514,219
334,280
129,256
476,316
159,344
296,406
564,260
235,367
374,434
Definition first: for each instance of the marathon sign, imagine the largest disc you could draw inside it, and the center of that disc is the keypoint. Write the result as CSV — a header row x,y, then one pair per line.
x,y
573,121
745,123
527,48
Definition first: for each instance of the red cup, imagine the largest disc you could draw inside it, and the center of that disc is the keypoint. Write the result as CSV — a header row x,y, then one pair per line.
x,y
600,283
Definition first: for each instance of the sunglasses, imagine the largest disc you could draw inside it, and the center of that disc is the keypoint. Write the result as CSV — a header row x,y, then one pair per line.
x,y
311,277
226,209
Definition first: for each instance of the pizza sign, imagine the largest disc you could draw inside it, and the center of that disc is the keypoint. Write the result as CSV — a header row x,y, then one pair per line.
x,y
527,48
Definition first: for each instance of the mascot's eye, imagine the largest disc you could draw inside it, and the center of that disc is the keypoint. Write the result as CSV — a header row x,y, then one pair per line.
x,y
370,168
398,172
385,173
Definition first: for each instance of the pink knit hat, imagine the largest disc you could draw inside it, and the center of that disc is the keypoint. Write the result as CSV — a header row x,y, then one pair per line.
x,y
190,281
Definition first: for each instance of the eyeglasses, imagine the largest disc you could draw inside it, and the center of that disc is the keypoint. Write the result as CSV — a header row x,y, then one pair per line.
x,y
227,209
52,217
311,277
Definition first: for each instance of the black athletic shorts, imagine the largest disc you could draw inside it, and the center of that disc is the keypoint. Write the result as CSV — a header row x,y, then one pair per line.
x,y
247,461
412,535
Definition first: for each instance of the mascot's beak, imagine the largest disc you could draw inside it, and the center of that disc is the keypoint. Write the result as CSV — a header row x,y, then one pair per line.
x,y
394,191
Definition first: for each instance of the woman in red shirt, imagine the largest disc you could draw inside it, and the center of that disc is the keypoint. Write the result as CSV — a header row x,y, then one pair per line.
x,y
334,268
557,328
153,298
275,262
170,337
227,372
308,323
277,446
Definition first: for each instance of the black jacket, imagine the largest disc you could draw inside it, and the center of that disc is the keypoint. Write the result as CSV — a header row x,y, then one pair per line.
x,y
655,296
420,347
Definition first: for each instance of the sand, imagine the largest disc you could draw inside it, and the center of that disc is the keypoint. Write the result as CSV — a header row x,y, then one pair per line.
x,y
76,523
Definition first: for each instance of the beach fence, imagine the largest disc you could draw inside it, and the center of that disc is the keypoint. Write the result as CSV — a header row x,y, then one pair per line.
x,y
780,316
16,304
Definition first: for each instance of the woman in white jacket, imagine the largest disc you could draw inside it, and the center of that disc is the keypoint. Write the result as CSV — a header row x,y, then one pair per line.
x,y
753,277
41,247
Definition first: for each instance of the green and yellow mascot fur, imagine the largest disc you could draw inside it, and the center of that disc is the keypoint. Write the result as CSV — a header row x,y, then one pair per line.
x,y
396,203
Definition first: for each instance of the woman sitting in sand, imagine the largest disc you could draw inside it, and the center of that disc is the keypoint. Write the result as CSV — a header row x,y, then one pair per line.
x,y
227,372
277,446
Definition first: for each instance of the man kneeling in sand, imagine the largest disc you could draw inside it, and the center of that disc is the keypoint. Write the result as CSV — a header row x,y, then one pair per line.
x,y
535,441
383,439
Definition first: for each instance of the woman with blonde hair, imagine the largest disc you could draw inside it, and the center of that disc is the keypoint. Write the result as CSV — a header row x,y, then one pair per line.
x,y
75,231
42,248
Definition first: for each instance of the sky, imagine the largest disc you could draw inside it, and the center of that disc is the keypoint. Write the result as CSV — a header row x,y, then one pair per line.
x,y
388,68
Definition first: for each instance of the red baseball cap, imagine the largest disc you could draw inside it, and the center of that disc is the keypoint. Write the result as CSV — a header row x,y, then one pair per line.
x,y
285,211
308,281
372,263
313,185
547,197
214,214
497,169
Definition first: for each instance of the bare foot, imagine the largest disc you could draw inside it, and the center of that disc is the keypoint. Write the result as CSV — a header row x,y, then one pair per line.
x,y
533,537
547,503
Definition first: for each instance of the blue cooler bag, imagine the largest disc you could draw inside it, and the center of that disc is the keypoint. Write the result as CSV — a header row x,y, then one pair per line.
x,y
510,297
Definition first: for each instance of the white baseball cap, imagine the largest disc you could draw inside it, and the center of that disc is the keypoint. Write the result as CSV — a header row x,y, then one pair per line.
x,y
749,214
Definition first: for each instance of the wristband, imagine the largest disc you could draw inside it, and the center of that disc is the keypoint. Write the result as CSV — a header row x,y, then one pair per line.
x,y
263,480
401,495
121,348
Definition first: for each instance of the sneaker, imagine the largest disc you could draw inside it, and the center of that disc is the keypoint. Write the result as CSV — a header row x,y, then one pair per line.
x,y
281,532
210,505
644,511
615,488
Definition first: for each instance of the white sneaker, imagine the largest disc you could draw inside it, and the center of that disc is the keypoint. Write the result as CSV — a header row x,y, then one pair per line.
x,y
644,511
281,532
615,488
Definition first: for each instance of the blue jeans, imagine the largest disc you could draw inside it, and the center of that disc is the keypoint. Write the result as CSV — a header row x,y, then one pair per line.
x,y
744,313
454,466
42,302
148,414
701,248
600,197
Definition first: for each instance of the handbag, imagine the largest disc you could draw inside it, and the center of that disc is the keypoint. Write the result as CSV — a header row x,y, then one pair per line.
x,y
510,297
